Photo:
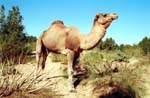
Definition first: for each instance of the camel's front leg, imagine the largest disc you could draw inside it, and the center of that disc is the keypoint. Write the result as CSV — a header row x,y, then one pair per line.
x,y
70,57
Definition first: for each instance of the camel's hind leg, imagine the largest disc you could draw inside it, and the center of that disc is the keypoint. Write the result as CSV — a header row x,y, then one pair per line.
x,y
39,55
44,56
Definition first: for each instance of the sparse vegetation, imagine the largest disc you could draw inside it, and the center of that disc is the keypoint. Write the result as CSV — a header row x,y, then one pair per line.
x,y
12,81
101,57
108,65
127,78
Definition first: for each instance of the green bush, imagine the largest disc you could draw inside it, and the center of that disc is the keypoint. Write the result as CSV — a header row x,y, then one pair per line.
x,y
121,57
91,58
129,80
97,63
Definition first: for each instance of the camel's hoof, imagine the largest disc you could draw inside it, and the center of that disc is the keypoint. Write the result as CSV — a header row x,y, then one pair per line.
x,y
73,90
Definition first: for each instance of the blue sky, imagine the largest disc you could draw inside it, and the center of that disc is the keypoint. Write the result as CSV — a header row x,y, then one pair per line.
x,y
132,25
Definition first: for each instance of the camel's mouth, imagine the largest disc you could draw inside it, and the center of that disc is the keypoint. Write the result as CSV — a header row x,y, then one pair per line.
x,y
112,16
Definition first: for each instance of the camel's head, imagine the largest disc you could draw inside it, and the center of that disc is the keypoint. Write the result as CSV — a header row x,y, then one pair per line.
x,y
104,19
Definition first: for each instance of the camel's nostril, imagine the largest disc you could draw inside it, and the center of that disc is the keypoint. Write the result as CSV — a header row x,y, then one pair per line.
x,y
116,17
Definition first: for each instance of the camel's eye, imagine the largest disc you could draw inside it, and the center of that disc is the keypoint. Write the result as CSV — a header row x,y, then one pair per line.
x,y
105,15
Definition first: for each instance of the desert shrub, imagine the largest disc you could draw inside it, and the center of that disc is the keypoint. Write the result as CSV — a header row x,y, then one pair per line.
x,y
102,57
97,63
8,69
123,83
12,81
91,58
121,57
99,68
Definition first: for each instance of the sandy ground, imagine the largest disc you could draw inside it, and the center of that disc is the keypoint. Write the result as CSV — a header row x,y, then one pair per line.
x,y
83,90
61,88
146,81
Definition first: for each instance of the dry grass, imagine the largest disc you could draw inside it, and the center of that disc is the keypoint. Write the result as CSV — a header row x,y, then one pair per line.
x,y
12,82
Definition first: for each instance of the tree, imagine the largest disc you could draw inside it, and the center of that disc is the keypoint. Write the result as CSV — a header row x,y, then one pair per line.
x,y
108,44
2,23
15,27
31,39
145,45
101,45
2,18
13,39
2,27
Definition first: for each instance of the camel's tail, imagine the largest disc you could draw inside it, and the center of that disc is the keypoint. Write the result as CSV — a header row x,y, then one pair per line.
x,y
41,54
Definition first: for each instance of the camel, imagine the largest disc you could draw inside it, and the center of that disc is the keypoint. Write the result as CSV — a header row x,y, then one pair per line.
x,y
68,40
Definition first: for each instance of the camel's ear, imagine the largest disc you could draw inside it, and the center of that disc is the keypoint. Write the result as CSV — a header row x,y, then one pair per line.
x,y
99,15
104,15
100,18
96,17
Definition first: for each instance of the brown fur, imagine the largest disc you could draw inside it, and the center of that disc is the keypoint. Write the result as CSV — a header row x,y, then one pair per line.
x,y
70,41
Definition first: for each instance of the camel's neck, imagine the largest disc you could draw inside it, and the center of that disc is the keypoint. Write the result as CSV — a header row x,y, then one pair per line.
x,y
92,39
